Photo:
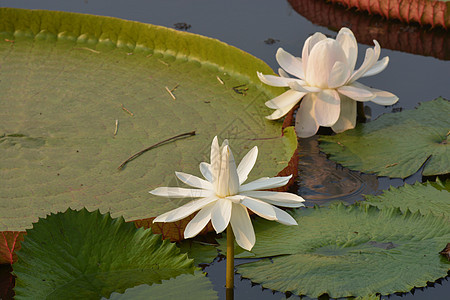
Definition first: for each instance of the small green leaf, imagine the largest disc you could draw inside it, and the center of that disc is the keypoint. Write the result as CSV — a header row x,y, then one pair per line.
x,y
185,286
423,197
81,254
397,145
349,251
200,253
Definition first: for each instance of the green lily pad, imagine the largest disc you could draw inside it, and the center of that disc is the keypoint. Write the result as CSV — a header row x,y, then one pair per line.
x,y
185,286
349,251
397,145
426,197
81,254
200,253
65,80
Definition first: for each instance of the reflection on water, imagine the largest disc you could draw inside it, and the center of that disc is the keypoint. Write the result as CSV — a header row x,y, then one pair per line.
x,y
326,181
392,34
6,282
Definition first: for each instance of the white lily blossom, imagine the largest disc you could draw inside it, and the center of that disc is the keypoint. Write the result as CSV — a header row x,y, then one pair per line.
x,y
326,80
224,198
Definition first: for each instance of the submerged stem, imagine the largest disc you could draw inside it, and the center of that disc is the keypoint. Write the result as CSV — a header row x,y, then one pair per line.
x,y
230,258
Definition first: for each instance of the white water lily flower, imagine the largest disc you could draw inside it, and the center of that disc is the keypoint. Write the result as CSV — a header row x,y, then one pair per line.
x,y
326,80
224,198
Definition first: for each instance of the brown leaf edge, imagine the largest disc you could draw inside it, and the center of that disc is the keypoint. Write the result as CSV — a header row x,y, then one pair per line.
x,y
9,244
393,35
446,251
424,12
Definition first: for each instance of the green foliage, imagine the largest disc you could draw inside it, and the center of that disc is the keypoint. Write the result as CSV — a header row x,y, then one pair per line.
x,y
200,253
349,251
65,80
185,286
426,197
81,254
397,145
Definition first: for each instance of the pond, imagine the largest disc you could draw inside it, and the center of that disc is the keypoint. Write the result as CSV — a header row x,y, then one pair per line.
x,y
260,28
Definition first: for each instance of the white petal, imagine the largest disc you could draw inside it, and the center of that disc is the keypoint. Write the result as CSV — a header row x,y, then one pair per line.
x,y
348,43
321,60
215,161
242,227
309,44
176,192
224,143
283,73
290,63
236,198
381,97
228,177
305,121
347,117
384,97
301,86
199,222
284,218
282,110
246,164
356,92
266,183
276,198
369,61
339,75
327,107
205,169
378,67
261,208
275,80
194,181
185,210
221,214
288,98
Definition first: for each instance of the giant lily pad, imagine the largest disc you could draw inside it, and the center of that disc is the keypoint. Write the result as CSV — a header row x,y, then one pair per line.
x,y
349,251
185,286
397,145
417,39
81,93
81,254
427,197
424,12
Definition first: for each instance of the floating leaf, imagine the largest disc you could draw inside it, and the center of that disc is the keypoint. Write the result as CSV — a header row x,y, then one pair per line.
x,y
418,197
81,254
397,145
349,251
424,12
11,243
81,94
200,253
419,40
185,286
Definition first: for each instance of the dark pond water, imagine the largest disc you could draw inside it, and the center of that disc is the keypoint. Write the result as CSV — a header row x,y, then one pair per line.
x,y
260,27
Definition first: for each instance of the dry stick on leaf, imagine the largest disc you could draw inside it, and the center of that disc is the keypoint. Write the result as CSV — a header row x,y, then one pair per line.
x,y
187,134
127,111
117,127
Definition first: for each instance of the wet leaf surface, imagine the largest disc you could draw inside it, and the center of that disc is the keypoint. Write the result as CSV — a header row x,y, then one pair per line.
x,y
81,93
348,251
81,254
396,145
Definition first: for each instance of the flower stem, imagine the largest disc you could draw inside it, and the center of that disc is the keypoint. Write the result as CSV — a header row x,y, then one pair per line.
x,y
230,258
